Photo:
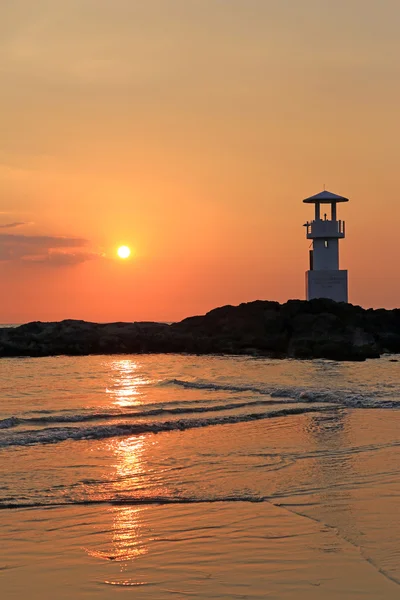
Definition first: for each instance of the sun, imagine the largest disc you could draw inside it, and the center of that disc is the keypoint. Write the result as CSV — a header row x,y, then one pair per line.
x,y
124,252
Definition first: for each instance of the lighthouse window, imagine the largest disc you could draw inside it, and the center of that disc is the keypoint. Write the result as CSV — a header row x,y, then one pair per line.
x,y
326,244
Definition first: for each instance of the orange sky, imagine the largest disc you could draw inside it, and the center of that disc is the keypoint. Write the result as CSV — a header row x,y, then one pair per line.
x,y
190,130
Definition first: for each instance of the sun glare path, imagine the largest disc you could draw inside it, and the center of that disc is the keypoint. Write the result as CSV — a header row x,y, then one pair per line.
x,y
124,252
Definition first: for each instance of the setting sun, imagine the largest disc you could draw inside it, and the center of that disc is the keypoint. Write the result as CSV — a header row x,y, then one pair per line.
x,y
124,252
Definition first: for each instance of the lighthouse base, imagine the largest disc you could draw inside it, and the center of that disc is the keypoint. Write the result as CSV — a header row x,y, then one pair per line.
x,y
327,284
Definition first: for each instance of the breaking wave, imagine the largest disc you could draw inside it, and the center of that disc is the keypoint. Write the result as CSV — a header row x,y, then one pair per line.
x,y
9,422
102,416
265,396
345,398
149,501
54,435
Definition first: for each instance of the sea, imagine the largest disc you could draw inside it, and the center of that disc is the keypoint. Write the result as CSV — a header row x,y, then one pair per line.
x,y
174,476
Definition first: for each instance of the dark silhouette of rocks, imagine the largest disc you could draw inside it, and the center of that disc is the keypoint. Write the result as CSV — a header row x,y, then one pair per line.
x,y
298,329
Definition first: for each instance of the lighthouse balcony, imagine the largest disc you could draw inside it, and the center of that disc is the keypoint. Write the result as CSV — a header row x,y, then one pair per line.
x,y
325,229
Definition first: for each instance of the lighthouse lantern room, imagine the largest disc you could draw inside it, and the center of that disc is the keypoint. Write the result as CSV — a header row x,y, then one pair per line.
x,y
324,278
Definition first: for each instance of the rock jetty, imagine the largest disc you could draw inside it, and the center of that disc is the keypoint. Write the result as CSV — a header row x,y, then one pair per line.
x,y
297,329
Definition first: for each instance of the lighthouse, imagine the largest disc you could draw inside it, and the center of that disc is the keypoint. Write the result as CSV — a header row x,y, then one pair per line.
x,y
324,278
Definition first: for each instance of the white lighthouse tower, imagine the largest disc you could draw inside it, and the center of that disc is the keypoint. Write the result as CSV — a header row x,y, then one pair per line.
x,y
325,279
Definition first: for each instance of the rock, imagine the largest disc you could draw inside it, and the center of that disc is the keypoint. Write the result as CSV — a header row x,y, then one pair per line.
x,y
297,329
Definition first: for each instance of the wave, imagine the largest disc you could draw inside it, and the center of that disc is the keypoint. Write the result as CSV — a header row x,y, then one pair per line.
x,y
277,396
102,416
224,387
227,387
9,422
143,501
208,385
346,398
54,435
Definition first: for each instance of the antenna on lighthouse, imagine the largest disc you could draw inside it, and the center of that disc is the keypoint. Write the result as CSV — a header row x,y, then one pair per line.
x,y
324,279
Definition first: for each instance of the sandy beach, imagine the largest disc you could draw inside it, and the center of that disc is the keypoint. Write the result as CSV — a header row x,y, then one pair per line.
x,y
226,550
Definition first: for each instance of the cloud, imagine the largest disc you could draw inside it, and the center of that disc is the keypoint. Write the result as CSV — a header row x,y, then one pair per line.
x,y
14,225
54,251
64,259
42,241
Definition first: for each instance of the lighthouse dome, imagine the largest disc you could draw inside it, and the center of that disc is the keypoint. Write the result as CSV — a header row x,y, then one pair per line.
x,y
325,197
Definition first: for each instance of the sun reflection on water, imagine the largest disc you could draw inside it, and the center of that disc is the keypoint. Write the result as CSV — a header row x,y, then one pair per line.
x,y
127,521
133,478
127,383
129,534
129,467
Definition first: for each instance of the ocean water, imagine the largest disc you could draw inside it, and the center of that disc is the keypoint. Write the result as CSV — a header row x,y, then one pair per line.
x,y
203,477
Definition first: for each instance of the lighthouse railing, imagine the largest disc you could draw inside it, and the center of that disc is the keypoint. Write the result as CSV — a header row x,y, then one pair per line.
x,y
325,228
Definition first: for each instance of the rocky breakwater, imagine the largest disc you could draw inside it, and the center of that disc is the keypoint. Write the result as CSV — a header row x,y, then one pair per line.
x,y
297,329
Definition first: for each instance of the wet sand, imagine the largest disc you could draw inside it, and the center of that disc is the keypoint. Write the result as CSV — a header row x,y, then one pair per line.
x,y
222,550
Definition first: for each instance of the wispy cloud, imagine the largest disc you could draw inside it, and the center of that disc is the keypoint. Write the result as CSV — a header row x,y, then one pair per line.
x,y
14,225
64,259
45,241
55,251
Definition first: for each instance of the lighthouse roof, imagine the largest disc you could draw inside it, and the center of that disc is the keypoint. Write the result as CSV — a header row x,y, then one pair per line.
x,y
325,197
